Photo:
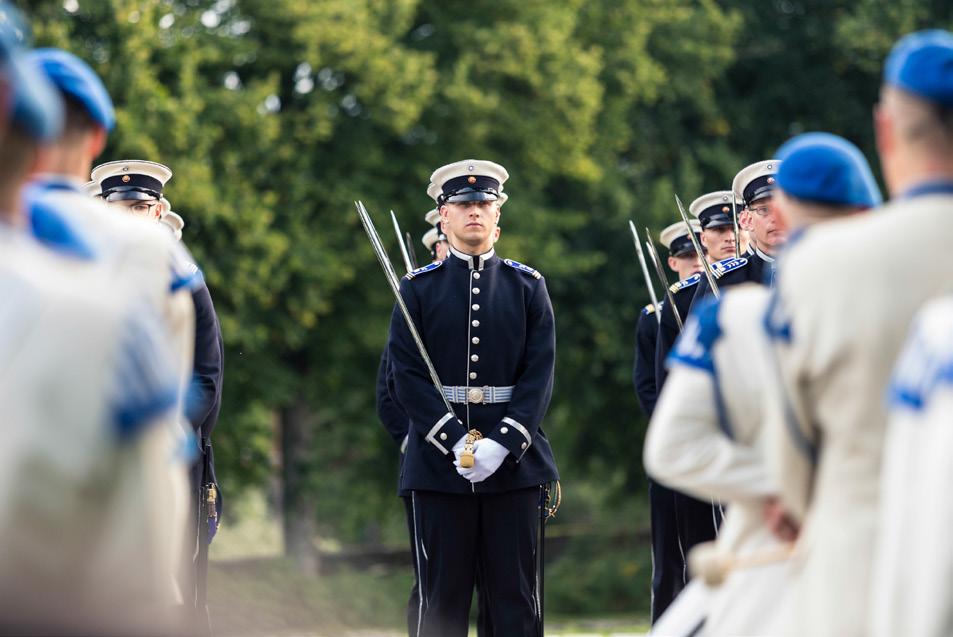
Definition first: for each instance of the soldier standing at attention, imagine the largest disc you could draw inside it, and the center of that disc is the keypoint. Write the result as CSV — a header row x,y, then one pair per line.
x,y
667,560
488,325
844,308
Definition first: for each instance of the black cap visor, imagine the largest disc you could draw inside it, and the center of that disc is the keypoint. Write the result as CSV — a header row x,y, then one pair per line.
x,y
470,194
130,193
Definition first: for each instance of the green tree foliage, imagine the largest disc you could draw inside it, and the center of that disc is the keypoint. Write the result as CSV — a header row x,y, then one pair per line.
x,y
276,116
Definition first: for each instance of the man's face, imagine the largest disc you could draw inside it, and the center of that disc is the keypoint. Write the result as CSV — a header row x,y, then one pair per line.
x,y
685,265
148,208
471,224
441,248
767,228
720,242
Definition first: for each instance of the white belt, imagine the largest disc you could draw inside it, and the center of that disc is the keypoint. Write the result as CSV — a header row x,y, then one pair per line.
x,y
478,395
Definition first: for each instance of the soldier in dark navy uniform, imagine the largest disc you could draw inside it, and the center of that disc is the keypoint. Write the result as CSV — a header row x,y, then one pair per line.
x,y
753,186
679,521
488,325
667,561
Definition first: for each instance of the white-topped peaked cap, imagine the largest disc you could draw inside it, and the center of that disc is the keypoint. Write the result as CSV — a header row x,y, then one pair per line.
x,y
675,238
131,179
430,238
713,209
467,180
755,181
175,221
92,188
433,217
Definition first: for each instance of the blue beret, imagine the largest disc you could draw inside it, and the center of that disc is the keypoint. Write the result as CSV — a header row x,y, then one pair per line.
x,y
75,79
922,63
828,169
35,107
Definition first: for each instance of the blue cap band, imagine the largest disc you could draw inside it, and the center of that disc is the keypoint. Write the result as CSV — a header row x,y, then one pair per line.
x,y
922,63
827,169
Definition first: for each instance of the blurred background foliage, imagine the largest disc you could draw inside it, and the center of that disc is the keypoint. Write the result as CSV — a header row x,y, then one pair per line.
x,y
275,115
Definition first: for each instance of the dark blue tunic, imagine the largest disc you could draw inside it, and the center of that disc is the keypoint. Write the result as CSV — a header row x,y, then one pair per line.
x,y
485,321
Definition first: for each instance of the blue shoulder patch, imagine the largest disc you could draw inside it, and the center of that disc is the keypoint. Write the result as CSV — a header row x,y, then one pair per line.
x,y
684,283
523,268
723,267
427,268
695,343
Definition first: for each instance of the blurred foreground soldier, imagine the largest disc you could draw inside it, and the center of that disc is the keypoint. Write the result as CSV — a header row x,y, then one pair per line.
x,y
90,471
839,323
136,186
706,437
488,325
668,563
913,567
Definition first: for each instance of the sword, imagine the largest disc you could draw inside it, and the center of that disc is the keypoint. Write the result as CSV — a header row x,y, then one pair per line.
x,y
400,241
391,277
734,218
645,269
701,255
661,275
410,249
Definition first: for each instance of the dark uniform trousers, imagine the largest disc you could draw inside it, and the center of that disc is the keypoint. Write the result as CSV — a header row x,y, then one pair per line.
x,y
458,537
679,521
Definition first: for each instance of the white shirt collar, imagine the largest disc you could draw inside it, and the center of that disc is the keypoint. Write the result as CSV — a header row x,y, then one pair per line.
x,y
475,262
763,255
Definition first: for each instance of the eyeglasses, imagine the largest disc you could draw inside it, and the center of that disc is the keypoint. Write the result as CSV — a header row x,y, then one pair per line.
x,y
761,211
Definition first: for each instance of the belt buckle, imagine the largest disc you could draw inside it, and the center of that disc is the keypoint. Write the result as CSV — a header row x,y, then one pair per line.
x,y
477,395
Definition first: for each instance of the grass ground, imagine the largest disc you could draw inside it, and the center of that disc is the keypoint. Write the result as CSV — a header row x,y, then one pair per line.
x,y
254,592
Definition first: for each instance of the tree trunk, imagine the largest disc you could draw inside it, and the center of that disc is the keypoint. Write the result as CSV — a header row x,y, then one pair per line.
x,y
297,496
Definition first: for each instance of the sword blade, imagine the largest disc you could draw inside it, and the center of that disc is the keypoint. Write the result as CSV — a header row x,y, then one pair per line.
x,y
645,269
394,282
657,262
400,242
698,250
409,242
734,218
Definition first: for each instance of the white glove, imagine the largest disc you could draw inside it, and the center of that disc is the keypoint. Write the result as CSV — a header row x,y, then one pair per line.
x,y
488,455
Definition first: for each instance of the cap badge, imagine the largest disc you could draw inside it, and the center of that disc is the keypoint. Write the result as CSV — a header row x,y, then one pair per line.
x,y
470,167
125,179
770,180
471,179
725,209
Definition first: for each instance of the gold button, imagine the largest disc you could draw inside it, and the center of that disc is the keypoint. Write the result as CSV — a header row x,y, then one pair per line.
x,y
474,358
473,375
504,430
443,435
475,395
476,275
475,323
476,290
475,307
523,446
475,340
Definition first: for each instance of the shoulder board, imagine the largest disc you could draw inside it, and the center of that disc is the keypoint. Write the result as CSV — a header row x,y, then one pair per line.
x,y
523,268
684,283
723,267
423,270
648,309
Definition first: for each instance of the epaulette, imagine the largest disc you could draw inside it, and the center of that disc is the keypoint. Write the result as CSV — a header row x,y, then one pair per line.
x,y
648,309
723,267
684,283
523,268
427,268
